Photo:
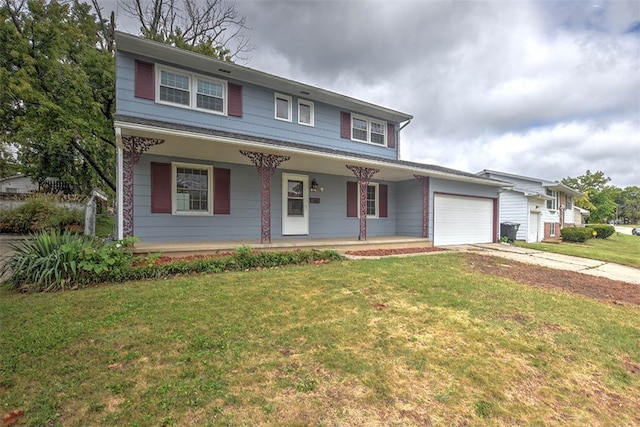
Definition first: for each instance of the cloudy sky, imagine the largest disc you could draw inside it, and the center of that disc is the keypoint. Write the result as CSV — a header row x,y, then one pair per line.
x,y
540,88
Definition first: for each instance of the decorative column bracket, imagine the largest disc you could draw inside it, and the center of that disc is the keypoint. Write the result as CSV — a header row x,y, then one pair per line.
x,y
266,164
424,181
364,176
132,149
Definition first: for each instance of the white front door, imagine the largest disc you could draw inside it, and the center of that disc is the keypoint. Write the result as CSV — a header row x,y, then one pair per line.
x,y
534,227
295,204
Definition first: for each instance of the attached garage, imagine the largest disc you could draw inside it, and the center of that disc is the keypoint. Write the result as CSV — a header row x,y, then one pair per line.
x,y
462,220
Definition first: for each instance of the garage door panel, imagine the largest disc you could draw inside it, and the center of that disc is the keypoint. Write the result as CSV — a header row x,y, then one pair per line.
x,y
462,220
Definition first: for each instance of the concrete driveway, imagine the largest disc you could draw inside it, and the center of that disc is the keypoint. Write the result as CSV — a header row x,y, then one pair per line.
x,y
558,261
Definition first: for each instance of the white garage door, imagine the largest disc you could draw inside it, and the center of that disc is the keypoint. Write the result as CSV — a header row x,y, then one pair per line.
x,y
462,220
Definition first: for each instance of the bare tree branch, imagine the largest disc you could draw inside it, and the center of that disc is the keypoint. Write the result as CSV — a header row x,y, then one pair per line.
x,y
193,24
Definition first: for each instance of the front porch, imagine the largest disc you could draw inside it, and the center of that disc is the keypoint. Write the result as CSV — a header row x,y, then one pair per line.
x,y
183,249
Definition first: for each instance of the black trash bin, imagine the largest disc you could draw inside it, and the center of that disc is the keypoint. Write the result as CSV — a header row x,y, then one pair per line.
x,y
509,230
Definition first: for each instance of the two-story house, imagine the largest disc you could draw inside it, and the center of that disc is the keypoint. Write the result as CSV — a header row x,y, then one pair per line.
x,y
541,207
209,150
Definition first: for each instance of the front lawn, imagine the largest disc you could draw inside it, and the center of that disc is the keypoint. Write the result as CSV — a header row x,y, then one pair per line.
x,y
423,340
618,248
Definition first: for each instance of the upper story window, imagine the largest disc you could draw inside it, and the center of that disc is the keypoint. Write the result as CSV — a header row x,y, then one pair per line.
x,y
174,88
553,203
368,130
305,112
191,91
568,202
283,107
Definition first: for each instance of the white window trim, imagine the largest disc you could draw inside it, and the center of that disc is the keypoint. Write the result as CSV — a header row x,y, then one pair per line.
x,y
377,215
174,188
193,90
552,229
553,194
311,113
289,107
369,120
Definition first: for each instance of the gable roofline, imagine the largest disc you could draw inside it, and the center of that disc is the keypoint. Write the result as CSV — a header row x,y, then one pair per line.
x,y
172,55
553,185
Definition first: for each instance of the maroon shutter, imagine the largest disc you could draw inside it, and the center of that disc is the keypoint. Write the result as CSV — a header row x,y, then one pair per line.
x,y
382,193
160,187
391,136
145,87
235,100
352,199
345,125
221,191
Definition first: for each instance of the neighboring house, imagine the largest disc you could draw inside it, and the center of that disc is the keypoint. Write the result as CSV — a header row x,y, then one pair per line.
x,y
580,215
541,207
210,150
18,184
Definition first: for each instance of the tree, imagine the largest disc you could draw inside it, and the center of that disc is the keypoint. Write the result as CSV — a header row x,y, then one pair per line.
x,y
58,89
57,75
628,202
599,197
210,27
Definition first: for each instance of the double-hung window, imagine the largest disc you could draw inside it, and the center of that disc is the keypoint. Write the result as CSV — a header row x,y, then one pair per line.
x,y
568,202
364,129
373,200
305,112
283,107
191,91
552,204
192,189
210,95
175,88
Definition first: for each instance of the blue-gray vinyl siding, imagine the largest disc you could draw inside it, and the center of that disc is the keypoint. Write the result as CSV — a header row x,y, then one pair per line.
x,y
514,207
258,114
409,208
326,219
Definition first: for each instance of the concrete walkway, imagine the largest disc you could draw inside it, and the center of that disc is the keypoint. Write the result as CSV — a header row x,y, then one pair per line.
x,y
558,261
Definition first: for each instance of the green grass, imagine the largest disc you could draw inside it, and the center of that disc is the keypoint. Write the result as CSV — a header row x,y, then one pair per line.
x,y
105,225
399,341
618,248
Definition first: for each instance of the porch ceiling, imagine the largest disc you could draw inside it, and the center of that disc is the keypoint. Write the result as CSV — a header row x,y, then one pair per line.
x,y
222,149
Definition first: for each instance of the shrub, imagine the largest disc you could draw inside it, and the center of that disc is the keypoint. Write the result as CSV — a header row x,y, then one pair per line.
x,y
603,230
576,234
38,213
53,260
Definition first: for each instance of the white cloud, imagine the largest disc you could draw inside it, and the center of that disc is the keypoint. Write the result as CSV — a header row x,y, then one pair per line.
x,y
549,89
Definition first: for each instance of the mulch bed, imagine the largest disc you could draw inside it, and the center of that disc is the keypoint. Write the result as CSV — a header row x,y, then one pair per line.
x,y
387,252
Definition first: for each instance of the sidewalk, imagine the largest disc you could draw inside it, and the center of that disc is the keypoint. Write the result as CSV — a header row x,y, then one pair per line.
x,y
558,261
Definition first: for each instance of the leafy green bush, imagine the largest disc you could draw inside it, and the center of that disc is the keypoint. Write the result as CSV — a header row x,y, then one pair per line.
x,y
576,234
54,260
603,230
40,212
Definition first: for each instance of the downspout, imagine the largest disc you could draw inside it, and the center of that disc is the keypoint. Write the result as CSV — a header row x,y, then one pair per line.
x,y
398,143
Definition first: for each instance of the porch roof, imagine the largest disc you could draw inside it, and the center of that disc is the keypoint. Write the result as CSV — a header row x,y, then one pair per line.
x,y
214,145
